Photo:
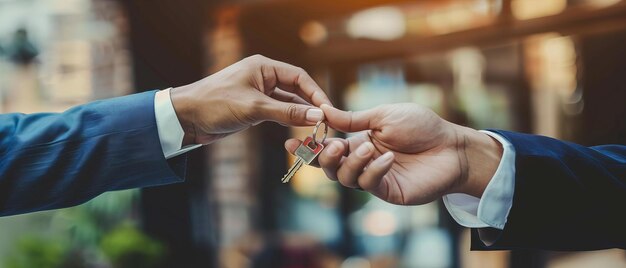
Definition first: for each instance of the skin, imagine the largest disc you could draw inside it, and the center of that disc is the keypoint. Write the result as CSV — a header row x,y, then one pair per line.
x,y
251,91
406,154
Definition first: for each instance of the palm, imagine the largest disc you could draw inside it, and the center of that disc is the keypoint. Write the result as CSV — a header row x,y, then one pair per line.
x,y
425,165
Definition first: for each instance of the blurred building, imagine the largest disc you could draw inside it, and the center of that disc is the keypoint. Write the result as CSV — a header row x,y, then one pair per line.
x,y
551,67
55,55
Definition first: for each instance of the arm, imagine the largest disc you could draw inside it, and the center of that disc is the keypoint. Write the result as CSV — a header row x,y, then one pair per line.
x,y
52,161
56,160
567,196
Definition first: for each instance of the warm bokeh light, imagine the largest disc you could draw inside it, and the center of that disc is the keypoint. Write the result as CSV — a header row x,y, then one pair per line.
x,y
379,223
549,67
459,17
381,23
313,33
530,9
602,3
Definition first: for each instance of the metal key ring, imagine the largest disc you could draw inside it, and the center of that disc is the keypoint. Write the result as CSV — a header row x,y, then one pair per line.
x,y
314,135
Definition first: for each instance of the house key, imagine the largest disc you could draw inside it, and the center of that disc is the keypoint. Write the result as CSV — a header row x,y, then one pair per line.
x,y
307,151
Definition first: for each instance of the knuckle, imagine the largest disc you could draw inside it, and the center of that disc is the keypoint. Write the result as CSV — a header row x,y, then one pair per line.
x,y
303,75
266,72
292,112
257,58
355,162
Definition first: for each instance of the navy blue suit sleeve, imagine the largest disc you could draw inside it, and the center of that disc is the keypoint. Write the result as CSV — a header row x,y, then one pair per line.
x,y
55,160
567,196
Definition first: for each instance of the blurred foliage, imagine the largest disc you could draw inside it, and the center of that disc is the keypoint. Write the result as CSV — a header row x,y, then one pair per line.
x,y
100,233
127,247
124,246
86,224
37,252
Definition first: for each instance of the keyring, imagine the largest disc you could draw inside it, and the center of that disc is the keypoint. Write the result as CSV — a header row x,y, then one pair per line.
x,y
314,135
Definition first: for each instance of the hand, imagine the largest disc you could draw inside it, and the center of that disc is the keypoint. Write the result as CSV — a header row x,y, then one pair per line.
x,y
251,91
408,155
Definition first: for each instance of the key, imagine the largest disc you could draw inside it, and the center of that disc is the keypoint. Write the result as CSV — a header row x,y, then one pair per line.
x,y
305,153
292,171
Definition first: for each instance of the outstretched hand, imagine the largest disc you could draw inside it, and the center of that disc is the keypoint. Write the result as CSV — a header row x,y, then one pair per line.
x,y
251,91
406,154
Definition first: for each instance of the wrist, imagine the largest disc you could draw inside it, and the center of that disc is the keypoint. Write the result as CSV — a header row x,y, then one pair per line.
x,y
183,106
482,156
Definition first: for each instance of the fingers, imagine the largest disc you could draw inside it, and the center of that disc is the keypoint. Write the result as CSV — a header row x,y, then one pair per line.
x,y
292,79
355,170
371,179
330,158
347,121
288,113
292,144
354,164
284,96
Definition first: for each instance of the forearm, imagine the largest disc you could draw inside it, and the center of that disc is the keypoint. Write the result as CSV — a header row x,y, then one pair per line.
x,y
58,160
567,196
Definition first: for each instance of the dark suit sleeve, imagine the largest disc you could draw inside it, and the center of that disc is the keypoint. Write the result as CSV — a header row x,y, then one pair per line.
x,y
55,160
567,196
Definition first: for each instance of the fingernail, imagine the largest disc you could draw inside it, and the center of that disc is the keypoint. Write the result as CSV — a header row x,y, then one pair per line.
x,y
386,157
332,149
314,115
364,149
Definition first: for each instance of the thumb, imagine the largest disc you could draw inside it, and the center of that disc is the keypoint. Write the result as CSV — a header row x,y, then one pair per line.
x,y
288,113
348,121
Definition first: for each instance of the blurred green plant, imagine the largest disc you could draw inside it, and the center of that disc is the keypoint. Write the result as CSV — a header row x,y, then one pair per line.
x,y
100,233
37,252
87,223
127,247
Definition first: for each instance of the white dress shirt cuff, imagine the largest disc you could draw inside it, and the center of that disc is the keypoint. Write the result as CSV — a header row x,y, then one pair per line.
x,y
493,208
171,134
